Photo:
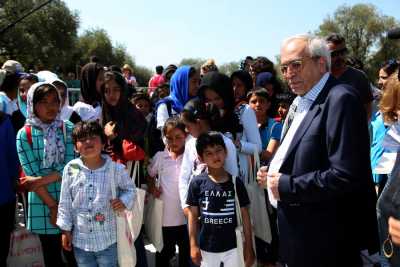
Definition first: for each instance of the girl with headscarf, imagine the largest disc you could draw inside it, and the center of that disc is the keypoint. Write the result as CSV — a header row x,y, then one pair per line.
x,y
183,86
238,122
123,124
44,146
92,78
124,127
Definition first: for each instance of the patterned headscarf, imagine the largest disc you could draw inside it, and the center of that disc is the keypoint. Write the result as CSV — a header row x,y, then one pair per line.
x,y
54,147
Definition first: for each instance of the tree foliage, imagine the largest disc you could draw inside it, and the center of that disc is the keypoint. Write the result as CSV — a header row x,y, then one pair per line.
x,y
364,29
229,68
45,38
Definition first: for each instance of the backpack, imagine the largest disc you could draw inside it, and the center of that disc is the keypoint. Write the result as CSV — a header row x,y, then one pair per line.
x,y
28,131
154,136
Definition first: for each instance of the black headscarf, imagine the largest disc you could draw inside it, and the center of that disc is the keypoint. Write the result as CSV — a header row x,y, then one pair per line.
x,y
130,123
89,75
221,85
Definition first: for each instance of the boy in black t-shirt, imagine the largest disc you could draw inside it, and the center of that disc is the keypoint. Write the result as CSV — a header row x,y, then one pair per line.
x,y
212,194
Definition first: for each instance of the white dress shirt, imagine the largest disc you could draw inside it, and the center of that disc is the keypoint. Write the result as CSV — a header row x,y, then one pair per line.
x,y
303,104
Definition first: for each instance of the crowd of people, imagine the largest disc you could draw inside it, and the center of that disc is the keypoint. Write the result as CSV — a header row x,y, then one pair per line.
x,y
325,139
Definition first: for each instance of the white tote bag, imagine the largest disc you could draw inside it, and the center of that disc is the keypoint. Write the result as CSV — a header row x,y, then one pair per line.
x,y
125,241
154,221
258,210
25,247
135,217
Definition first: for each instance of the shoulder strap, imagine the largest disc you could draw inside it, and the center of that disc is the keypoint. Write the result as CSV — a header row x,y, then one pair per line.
x,y
169,107
237,204
113,186
28,131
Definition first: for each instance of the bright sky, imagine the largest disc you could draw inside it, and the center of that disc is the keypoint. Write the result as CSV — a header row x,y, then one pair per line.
x,y
163,32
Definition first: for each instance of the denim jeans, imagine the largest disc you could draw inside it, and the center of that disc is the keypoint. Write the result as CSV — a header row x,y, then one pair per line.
x,y
104,258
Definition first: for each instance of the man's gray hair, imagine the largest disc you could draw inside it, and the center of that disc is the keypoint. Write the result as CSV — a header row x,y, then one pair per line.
x,y
316,46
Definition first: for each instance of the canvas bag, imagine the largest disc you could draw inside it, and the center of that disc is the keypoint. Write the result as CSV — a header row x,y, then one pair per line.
x,y
258,210
154,221
25,247
135,217
125,241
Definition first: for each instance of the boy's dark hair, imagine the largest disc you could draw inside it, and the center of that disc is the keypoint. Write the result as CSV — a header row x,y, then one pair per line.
x,y
10,83
173,122
197,109
335,38
42,91
159,69
285,98
141,96
260,92
86,129
209,139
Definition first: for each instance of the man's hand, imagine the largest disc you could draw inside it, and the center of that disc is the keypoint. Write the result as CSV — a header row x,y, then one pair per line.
x,y
66,240
109,130
273,183
262,176
117,205
394,230
195,254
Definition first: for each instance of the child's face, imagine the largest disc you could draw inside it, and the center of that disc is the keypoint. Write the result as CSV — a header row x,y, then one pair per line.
x,y
89,147
48,108
175,140
194,82
193,128
239,88
259,104
143,106
214,156
112,93
24,86
283,110
214,98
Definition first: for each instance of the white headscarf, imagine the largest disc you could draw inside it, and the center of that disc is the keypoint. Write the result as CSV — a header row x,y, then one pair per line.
x,y
54,147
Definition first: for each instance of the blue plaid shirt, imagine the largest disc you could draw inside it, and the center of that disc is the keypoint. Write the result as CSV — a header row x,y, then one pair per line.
x,y
85,207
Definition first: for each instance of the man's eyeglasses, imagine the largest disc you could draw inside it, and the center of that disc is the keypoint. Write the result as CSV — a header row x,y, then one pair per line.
x,y
295,65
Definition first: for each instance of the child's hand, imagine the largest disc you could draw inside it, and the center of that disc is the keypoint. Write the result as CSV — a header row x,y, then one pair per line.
x,y
66,240
156,192
117,204
109,130
30,183
249,256
195,254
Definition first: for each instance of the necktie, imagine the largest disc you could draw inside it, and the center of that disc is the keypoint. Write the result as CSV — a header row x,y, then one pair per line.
x,y
289,119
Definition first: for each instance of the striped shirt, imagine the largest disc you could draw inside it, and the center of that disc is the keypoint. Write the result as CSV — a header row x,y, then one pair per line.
x,y
85,207
31,157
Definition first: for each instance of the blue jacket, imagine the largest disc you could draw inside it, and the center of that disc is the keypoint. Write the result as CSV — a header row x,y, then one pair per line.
x,y
8,161
326,212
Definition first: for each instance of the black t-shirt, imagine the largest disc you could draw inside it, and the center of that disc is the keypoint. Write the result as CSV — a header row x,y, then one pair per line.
x,y
216,202
359,81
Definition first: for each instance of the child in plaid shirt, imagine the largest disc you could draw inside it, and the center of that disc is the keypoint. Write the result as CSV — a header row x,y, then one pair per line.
x,y
86,209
